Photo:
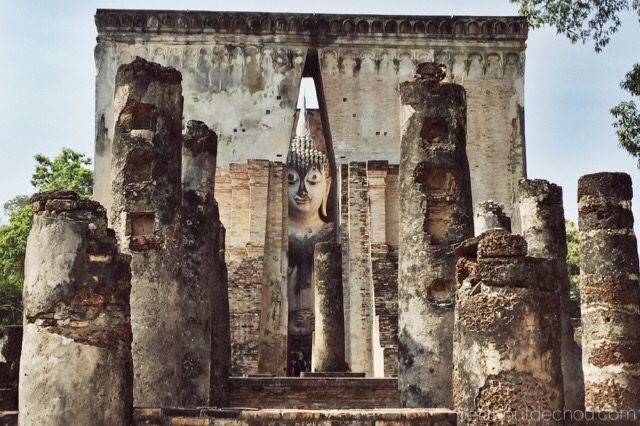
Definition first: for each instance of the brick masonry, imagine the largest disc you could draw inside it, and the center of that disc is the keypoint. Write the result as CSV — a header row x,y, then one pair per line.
x,y
314,394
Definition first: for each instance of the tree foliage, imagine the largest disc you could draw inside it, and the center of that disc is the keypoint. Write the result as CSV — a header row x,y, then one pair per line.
x,y
627,117
596,21
66,171
573,267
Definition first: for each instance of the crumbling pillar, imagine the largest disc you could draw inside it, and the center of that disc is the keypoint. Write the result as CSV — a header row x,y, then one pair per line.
x,y
199,150
490,215
609,293
220,330
145,213
274,315
507,335
543,226
76,363
328,345
435,214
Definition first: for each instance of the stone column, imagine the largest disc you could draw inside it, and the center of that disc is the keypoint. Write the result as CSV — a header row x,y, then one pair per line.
x,y
272,352
145,213
507,336
609,293
220,330
328,347
199,148
360,346
490,215
435,214
543,226
76,363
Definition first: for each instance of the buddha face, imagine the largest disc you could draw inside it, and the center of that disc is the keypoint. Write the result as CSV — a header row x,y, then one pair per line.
x,y
307,193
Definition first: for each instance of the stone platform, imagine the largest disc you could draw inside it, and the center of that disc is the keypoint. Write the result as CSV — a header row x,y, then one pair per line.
x,y
283,417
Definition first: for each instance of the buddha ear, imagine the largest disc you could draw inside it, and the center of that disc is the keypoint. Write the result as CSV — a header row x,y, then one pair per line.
x,y
325,198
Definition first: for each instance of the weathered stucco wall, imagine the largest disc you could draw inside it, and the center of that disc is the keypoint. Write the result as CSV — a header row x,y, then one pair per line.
x,y
242,73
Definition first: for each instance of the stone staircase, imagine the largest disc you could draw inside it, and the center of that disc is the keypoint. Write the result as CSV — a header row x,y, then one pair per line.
x,y
286,417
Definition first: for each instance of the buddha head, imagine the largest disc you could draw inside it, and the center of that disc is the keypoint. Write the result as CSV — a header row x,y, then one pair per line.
x,y
308,176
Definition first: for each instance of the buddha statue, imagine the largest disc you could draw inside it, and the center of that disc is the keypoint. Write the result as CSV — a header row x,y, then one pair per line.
x,y
309,184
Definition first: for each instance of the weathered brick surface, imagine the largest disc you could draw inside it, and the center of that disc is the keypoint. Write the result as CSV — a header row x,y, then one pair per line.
x,y
245,284
239,209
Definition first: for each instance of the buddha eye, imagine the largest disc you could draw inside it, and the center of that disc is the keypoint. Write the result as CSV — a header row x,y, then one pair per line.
x,y
292,177
314,177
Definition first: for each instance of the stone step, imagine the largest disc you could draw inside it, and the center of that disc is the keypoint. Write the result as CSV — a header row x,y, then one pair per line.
x,y
314,393
167,416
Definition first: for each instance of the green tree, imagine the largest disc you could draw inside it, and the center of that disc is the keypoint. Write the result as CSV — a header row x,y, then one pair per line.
x,y
66,171
596,21
573,267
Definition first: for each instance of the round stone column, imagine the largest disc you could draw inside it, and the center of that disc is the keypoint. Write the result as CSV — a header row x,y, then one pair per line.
x,y
75,366
609,293
199,149
328,344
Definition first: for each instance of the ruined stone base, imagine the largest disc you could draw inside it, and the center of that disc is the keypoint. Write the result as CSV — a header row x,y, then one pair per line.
x,y
239,417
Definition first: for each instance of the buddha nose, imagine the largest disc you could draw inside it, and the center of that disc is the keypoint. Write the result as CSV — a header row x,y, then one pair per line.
x,y
302,188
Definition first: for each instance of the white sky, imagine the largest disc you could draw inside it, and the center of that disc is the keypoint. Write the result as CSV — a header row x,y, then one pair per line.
x,y
47,83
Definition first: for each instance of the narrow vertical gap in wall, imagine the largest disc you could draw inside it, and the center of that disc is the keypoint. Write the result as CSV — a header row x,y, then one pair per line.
x,y
311,73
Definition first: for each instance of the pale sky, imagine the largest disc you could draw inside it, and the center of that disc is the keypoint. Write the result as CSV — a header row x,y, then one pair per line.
x,y
47,84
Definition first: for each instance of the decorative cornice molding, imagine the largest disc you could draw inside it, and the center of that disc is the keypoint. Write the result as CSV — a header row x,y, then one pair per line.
x,y
317,26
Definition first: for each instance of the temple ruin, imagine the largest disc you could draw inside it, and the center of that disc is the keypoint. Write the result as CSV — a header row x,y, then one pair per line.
x,y
318,266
